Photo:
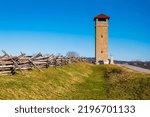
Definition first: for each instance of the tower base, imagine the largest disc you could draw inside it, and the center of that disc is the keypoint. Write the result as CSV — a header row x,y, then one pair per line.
x,y
98,62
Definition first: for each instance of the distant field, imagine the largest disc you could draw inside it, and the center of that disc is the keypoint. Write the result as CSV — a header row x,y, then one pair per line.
x,y
76,81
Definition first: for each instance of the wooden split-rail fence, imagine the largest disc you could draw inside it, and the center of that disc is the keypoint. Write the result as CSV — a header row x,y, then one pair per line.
x,y
10,64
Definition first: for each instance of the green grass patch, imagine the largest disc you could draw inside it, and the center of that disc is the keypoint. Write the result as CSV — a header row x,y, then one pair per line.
x,y
81,81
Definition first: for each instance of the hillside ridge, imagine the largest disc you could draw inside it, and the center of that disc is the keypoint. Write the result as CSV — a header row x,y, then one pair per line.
x,y
76,82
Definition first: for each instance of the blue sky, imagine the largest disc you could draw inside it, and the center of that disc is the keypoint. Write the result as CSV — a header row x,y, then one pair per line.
x,y
59,26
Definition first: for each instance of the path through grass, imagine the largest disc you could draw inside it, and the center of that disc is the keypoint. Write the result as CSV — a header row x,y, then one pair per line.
x,y
76,81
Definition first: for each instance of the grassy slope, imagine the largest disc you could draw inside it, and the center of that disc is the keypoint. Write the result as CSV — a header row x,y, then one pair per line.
x,y
76,81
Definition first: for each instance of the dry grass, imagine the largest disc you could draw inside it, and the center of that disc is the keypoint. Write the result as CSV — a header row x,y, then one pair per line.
x,y
126,84
76,81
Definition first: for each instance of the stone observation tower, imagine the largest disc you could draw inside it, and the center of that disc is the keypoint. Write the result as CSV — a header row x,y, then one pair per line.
x,y
101,39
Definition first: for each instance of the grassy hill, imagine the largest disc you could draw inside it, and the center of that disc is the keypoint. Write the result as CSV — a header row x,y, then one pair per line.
x,y
76,81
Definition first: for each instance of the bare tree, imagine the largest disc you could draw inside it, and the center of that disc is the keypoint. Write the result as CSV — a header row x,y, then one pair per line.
x,y
72,54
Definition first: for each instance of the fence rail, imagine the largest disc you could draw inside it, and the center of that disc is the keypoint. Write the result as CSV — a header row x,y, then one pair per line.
x,y
10,64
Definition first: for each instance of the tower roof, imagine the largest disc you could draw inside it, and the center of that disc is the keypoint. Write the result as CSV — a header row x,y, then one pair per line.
x,y
101,16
